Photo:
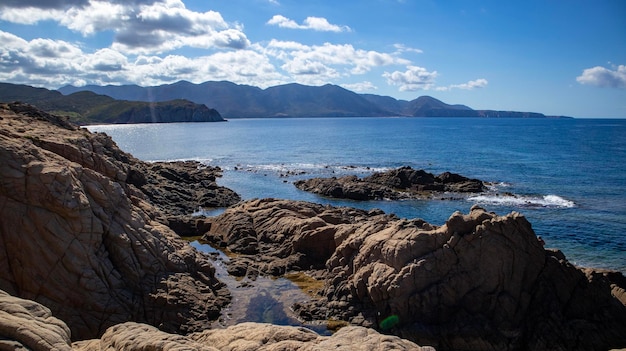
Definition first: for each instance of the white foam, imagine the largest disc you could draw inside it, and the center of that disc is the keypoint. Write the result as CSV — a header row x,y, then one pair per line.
x,y
553,201
308,168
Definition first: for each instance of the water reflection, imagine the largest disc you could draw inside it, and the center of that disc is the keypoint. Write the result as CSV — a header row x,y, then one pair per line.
x,y
263,300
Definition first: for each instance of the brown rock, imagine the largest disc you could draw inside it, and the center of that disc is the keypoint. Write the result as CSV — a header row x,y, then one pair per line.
x,y
79,239
268,337
25,324
481,281
284,235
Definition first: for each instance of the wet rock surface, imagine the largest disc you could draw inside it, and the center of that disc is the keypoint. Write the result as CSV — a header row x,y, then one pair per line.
x,y
395,184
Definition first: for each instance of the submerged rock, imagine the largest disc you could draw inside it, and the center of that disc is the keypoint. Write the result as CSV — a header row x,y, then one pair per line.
x,y
80,233
480,281
400,183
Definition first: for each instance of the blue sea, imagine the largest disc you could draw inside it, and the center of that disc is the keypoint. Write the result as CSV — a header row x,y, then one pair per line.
x,y
567,176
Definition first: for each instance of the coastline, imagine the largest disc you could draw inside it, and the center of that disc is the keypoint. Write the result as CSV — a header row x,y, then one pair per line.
x,y
372,263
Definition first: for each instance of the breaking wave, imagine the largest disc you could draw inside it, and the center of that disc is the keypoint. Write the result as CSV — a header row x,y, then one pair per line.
x,y
552,201
291,169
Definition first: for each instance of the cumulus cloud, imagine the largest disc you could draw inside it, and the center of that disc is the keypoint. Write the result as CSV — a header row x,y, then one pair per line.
x,y
604,77
53,63
414,78
140,26
321,64
319,24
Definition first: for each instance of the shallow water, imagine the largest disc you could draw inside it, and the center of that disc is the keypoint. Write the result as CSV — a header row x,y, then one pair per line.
x,y
262,300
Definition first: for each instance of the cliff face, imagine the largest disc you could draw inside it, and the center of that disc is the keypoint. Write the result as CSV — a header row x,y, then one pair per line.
x,y
79,232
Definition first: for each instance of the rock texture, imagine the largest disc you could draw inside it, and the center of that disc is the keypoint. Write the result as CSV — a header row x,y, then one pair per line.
x,y
246,337
274,236
480,281
80,233
25,324
396,184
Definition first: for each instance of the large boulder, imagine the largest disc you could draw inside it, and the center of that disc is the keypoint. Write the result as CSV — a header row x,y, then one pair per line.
x,y
80,234
480,281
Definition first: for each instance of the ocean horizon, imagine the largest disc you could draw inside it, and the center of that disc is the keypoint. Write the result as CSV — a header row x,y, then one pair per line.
x,y
567,176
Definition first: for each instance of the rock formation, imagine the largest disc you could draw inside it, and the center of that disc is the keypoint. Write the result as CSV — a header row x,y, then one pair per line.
x,y
80,234
396,184
480,281
25,324
84,231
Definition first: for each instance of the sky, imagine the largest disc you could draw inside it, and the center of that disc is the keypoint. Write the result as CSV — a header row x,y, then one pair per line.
x,y
557,57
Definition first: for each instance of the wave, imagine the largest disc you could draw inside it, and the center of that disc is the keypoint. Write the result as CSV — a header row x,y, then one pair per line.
x,y
553,201
294,169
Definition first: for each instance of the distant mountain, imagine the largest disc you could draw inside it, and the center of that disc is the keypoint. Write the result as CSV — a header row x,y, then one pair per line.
x,y
232,100
86,107
292,100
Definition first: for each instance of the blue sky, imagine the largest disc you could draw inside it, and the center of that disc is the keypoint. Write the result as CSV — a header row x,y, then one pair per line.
x,y
558,57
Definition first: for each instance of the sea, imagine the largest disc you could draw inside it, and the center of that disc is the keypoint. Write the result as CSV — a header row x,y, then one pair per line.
x,y
566,176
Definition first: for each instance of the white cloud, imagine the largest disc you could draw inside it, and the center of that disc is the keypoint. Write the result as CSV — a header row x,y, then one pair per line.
x,y
140,26
319,24
604,77
471,85
327,61
414,78
53,63
360,87
403,48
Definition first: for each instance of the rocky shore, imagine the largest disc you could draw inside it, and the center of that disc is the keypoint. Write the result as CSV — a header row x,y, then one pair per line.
x,y
396,184
91,258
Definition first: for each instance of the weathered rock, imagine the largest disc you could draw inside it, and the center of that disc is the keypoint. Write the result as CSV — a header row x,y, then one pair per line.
x,y
400,183
268,337
25,324
78,238
282,235
480,281
245,337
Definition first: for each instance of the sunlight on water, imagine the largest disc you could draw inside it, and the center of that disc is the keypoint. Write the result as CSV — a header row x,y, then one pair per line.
x,y
568,177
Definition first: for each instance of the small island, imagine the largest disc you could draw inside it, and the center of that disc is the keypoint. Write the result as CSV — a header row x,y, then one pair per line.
x,y
396,184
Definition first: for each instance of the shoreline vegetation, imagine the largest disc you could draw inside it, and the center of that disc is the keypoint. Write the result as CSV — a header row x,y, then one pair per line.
x,y
93,257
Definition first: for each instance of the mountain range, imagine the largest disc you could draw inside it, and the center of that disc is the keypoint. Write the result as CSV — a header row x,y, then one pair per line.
x,y
292,100
86,107
187,102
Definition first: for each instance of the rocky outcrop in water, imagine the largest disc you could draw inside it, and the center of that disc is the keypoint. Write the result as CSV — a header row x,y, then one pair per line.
x,y
25,324
80,232
480,281
395,184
